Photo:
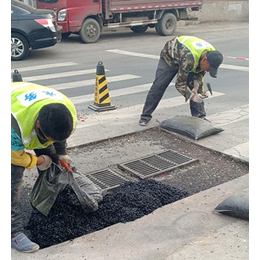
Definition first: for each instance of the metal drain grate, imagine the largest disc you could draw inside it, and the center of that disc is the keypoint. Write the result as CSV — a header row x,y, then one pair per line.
x,y
156,164
107,179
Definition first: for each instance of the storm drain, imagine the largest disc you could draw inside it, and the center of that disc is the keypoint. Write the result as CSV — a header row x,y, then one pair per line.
x,y
107,179
156,164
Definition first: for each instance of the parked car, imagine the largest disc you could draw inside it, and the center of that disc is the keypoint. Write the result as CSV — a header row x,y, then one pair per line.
x,y
31,29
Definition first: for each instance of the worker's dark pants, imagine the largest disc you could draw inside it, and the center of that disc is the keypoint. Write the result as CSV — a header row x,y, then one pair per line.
x,y
163,77
16,183
16,211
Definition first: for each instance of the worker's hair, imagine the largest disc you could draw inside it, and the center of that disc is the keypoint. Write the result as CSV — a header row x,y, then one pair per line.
x,y
55,121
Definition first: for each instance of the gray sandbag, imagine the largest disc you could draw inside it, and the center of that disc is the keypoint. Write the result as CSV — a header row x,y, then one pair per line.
x,y
236,205
54,180
193,127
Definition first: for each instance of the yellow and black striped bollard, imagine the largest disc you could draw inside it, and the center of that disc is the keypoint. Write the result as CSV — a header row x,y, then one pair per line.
x,y
101,98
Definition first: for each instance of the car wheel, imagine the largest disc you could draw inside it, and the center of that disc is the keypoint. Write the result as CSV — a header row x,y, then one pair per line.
x,y
90,31
19,47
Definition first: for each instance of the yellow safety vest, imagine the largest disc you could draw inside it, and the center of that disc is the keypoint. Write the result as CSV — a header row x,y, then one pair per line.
x,y
26,101
197,47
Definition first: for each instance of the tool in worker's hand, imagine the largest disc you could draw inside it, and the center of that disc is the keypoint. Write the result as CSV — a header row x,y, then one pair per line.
x,y
209,88
205,93
65,165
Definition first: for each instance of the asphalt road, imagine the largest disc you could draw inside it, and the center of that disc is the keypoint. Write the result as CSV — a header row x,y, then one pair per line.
x,y
130,61
231,39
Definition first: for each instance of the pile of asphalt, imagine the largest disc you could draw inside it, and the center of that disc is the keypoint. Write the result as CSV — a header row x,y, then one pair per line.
x,y
67,220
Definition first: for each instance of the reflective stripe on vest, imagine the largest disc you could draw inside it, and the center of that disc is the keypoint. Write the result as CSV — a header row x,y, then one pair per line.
x,y
26,101
196,46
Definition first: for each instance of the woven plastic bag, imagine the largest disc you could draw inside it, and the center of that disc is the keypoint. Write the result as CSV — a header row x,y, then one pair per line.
x,y
193,127
54,180
236,205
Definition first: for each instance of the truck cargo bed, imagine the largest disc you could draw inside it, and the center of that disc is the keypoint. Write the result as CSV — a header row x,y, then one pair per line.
x,y
127,5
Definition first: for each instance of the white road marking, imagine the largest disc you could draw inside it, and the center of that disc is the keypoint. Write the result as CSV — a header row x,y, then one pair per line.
x,y
234,67
156,57
90,82
45,66
114,93
136,54
59,75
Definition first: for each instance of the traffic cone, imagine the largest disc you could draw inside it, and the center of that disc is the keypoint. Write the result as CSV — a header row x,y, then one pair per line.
x,y
101,98
17,76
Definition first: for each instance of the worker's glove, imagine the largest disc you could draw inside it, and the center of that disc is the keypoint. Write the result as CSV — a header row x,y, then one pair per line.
x,y
47,163
65,158
196,97
206,94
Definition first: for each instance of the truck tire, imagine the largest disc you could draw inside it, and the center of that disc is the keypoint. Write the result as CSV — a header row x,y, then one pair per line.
x,y
166,25
19,47
90,31
139,28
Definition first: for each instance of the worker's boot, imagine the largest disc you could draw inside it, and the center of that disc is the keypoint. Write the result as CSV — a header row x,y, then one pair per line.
x,y
144,121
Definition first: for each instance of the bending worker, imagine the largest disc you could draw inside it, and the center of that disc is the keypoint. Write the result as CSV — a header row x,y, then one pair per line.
x,y
190,58
41,120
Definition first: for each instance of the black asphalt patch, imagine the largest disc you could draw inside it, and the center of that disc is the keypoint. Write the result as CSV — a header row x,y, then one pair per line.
x,y
67,220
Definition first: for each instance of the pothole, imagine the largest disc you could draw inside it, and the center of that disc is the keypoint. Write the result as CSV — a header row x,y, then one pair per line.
x,y
133,199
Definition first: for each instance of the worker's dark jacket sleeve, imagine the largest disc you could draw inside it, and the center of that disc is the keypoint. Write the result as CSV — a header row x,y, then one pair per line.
x,y
180,58
61,147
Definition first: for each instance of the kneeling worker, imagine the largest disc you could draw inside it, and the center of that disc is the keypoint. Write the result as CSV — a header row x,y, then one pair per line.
x,y
190,58
41,120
